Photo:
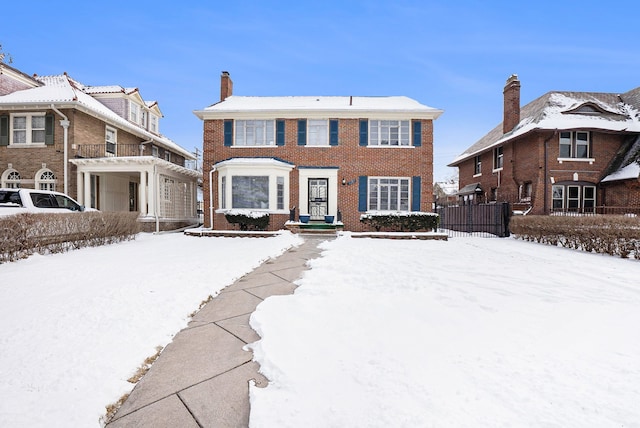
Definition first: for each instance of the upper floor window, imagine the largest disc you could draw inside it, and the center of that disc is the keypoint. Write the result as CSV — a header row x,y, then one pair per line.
x,y
255,133
110,141
477,165
28,128
317,132
575,144
167,156
134,112
143,119
154,151
153,123
498,158
389,133
388,194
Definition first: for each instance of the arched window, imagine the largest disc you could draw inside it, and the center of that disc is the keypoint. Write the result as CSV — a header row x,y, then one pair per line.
x,y
11,179
46,180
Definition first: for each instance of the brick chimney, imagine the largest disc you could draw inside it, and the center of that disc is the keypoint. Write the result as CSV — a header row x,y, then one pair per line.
x,y
226,86
511,104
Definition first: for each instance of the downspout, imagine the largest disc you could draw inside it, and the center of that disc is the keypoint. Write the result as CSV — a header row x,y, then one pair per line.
x,y
65,129
211,171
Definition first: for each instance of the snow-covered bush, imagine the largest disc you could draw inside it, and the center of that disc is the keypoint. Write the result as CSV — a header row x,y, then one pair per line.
x,y
613,235
401,221
24,234
247,219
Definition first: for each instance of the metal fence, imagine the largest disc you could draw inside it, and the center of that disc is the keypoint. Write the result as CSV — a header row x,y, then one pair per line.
x,y
489,220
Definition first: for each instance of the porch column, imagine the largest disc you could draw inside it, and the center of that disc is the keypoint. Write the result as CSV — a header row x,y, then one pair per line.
x,y
87,189
142,190
79,189
151,193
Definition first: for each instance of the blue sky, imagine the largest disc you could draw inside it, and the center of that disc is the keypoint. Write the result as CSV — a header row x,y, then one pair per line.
x,y
455,57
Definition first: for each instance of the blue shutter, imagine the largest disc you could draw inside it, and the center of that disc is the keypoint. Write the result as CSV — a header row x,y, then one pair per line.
x,y
4,130
228,133
280,132
302,132
417,133
364,132
415,192
362,193
48,129
333,132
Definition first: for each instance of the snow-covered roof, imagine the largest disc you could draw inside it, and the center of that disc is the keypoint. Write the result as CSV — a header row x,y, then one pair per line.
x,y
64,92
562,111
318,106
256,161
448,187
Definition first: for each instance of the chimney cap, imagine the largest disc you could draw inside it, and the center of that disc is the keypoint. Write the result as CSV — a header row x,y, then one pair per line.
x,y
225,73
512,78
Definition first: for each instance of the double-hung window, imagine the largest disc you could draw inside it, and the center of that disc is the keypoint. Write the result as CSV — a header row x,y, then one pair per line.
x,y
389,133
134,112
317,132
573,197
255,133
388,194
477,165
110,141
498,158
28,129
575,144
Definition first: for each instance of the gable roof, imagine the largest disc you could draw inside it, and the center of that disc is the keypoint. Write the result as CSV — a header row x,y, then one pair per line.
x,y
318,106
64,92
562,110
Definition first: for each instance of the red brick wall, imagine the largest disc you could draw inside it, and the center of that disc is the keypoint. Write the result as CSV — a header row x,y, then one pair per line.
x,y
524,161
351,159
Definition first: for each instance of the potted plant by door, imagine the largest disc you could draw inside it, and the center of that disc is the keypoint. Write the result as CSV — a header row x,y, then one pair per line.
x,y
304,218
328,219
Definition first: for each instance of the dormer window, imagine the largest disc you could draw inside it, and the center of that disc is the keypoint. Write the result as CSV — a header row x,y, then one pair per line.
x,y
153,123
134,112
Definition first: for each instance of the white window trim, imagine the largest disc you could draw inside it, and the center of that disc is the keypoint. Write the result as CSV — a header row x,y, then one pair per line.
x,y
409,194
28,130
386,146
272,171
496,157
107,141
573,146
134,112
325,143
51,183
12,184
272,143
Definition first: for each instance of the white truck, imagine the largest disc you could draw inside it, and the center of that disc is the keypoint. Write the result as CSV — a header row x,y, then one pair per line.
x,y
17,201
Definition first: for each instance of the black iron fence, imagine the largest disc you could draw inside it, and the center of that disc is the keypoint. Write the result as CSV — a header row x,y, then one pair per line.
x,y
490,220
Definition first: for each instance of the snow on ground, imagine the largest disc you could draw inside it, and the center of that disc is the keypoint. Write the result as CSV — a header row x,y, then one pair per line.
x,y
75,326
470,332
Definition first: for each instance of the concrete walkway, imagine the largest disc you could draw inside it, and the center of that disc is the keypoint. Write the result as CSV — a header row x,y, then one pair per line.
x,y
201,379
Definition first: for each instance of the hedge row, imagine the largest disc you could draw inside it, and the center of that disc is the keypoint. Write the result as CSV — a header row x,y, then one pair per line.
x,y
613,235
25,234
248,220
400,222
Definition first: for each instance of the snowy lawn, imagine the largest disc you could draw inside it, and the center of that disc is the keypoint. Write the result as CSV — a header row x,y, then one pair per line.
x,y
470,332
75,326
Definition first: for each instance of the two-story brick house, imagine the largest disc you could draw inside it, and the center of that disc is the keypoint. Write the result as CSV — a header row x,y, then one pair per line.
x,y
99,144
562,152
336,156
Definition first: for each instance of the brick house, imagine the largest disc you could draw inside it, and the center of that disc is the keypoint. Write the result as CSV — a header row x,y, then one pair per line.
x,y
335,156
100,144
562,152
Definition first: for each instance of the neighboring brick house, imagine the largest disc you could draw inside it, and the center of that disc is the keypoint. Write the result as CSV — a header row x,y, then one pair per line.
x,y
336,156
99,144
562,152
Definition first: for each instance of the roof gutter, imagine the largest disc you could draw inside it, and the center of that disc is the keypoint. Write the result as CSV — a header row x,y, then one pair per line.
x,y
65,127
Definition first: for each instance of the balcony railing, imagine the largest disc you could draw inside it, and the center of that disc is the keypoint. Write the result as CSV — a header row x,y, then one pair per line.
x,y
92,151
